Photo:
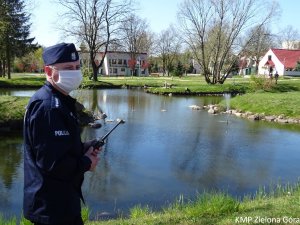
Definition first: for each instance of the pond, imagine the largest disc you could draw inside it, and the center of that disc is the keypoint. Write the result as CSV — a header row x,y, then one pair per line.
x,y
164,150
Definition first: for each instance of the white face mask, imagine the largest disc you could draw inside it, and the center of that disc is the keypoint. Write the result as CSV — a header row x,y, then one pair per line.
x,y
69,80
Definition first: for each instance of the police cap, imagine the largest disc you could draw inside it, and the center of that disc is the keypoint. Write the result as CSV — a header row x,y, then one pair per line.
x,y
60,53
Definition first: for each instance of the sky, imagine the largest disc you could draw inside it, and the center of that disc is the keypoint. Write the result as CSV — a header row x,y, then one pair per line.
x,y
159,14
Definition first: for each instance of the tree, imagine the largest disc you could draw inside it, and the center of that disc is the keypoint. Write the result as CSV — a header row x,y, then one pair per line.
x,y
31,62
134,34
297,68
289,38
262,40
186,59
14,33
168,47
179,70
135,37
215,31
94,22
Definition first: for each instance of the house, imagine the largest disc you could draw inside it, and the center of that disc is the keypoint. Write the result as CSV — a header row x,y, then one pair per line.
x,y
119,63
247,66
283,61
122,64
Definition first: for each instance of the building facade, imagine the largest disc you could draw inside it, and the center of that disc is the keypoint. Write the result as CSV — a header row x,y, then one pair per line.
x,y
282,61
247,66
117,63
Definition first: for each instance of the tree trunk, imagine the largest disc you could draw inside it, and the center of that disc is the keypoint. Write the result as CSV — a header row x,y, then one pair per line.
x,y
1,69
8,58
95,71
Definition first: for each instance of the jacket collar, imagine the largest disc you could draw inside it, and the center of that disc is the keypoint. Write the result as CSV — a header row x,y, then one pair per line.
x,y
65,98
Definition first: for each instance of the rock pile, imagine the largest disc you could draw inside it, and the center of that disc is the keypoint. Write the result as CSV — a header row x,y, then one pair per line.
x,y
215,109
263,117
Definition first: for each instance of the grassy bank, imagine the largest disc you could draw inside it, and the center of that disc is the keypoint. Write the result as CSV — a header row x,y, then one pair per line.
x,y
179,86
262,95
287,104
12,110
280,205
22,81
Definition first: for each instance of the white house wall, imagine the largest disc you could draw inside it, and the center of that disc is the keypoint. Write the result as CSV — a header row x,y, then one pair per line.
x,y
263,70
116,63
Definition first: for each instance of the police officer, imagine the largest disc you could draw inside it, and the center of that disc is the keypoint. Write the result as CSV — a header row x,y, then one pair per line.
x,y
55,158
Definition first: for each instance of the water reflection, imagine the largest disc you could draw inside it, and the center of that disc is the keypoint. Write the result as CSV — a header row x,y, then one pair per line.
x,y
219,159
10,174
164,142
166,149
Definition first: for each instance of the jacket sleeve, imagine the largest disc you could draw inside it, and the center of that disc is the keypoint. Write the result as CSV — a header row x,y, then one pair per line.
x,y
57,150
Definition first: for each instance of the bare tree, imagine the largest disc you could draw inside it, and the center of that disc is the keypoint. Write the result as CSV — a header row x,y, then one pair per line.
x,y
262,40
135,37
168,47
133,31
95,22
213,29
289,38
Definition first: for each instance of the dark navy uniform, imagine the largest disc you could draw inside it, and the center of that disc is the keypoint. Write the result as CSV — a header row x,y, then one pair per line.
x,y
54,161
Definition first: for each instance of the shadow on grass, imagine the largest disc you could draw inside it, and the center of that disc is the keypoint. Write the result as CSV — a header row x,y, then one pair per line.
x,y
285,88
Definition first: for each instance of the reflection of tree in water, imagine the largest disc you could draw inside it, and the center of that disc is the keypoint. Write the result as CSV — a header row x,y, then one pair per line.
x,y
10,157
214,158
95,106
211,100
109,181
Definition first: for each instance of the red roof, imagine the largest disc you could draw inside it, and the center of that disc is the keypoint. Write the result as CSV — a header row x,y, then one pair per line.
x,y
288,58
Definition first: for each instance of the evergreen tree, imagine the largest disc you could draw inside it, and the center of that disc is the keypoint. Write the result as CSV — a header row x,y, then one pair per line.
x,y
14,33
179,70
297,68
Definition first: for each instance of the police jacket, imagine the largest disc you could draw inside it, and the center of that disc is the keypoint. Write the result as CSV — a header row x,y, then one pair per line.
x,y
54,161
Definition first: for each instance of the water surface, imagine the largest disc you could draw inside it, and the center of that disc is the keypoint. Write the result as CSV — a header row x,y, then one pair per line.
x,y
166,149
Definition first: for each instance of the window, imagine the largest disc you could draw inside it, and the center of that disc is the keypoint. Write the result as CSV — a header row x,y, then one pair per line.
x,y
120,61
125,62
269,57
115,71
114,61
122,69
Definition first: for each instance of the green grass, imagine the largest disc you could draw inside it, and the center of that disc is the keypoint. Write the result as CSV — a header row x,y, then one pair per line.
x,y
287,103
12,108
281,203
219,208
12,221
262,95
195,84
22,81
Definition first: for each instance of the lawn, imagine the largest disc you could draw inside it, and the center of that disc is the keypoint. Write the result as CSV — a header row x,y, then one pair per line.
x,y
286,103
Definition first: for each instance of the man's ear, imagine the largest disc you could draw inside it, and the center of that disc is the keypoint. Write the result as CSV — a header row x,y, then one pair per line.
x,y
48,71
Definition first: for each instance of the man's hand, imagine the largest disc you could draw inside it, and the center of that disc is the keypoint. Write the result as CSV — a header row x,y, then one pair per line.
x,y
92,154
88,144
